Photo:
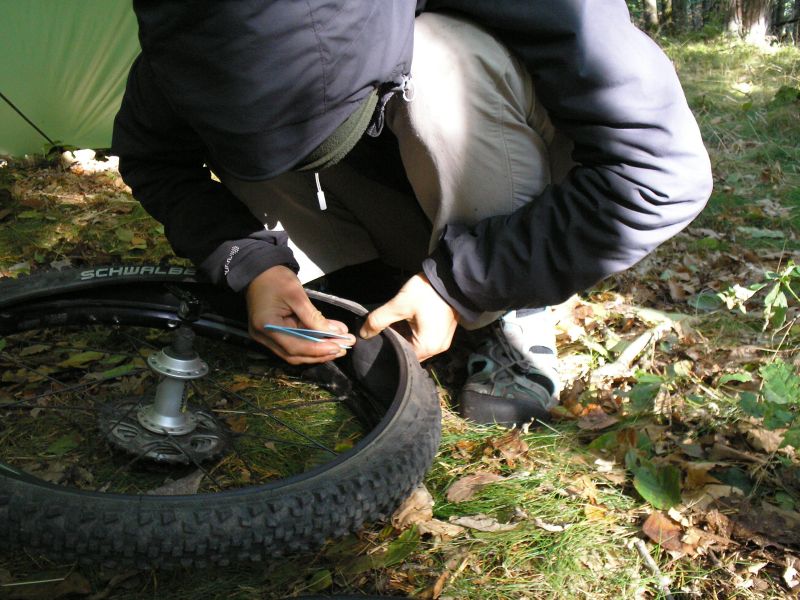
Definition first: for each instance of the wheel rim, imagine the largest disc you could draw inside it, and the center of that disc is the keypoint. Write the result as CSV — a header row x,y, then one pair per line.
x,y
52,405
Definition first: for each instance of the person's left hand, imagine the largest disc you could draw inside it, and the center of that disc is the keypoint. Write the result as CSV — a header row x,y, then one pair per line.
x,y
432,320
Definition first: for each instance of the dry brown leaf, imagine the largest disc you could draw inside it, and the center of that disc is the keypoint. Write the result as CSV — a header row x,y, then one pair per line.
x,y
415,510
511,446
664,531
722,451
677,292
695,538
790,578
719,524
237,424
570,397
464,448
700,500
743,354
184,486
596,420
594,512
692,450
440,530
466,487
551,527
481,522
436,591
697,475
584,487
763,439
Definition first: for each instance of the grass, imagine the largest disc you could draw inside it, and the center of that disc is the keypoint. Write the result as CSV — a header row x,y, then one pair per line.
x,y
743,100
567,488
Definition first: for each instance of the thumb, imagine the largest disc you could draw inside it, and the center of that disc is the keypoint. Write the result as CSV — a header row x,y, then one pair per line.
x,y
309,315
380,318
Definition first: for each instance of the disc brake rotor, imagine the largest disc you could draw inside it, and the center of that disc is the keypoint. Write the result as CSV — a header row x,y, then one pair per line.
x,y
120,423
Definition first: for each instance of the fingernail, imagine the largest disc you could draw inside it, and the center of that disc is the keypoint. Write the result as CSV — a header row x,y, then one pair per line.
x,y
363,334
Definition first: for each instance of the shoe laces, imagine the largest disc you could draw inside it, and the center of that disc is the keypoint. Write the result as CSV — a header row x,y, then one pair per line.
x,y
512,356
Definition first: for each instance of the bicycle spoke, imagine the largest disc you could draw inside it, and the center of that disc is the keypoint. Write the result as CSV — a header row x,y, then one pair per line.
x,y
88,422
277,420
194,461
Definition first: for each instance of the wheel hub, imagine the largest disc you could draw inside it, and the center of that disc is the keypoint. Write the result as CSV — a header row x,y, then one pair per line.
x,y
168,430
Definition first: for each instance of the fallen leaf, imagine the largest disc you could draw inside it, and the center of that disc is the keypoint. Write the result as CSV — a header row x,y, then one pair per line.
x,y
763,525
664,531
722,451
464,448
692,450
584,487
415,510
701,499
719,524
594,512
697,475
659,484
237,423
440,530
596,420
481,522
790,577
34,349
80,360
762,439
511,446
185,486
466,487
551,527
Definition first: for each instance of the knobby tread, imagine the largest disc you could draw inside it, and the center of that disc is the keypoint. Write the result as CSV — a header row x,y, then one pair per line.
x,y
259,523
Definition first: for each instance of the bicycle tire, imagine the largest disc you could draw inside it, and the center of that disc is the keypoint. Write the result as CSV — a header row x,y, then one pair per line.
x,y
292,515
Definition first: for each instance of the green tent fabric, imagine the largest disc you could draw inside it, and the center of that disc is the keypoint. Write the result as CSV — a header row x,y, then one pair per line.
x,y
64,66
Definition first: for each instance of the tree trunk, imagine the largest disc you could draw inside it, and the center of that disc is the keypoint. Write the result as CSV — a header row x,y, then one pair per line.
x,y
666,13
777,18
679,15
797,22
750,19
650,13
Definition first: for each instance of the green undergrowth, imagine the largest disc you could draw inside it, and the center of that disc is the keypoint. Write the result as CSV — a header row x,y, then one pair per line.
x,y
747,102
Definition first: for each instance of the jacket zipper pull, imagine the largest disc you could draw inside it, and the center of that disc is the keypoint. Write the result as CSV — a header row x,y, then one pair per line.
x,y
407,88
320,194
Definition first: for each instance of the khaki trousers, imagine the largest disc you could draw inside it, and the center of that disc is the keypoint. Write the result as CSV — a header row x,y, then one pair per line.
x,y
474,143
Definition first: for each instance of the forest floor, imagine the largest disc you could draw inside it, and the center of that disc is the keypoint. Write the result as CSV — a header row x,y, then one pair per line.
x,y
671,468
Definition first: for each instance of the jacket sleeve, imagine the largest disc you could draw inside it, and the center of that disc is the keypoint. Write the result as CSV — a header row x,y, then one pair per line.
x,y
642,171
163,161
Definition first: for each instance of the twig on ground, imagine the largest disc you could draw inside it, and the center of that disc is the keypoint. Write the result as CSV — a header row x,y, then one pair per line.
x,y
622,365
651,564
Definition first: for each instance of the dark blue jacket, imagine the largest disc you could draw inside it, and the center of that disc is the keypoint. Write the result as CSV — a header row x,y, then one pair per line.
x,y
253,86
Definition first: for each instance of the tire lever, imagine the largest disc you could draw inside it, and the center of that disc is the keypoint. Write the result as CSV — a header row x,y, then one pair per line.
x,y
314,335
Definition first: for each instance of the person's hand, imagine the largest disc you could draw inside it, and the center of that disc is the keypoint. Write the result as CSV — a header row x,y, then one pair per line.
x,y
276,297
432,321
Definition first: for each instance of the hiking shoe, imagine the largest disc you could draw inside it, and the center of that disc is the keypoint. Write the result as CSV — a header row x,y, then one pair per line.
x,y
510,379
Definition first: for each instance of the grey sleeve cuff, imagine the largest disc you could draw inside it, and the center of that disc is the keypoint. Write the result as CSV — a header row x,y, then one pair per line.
x,y
235,264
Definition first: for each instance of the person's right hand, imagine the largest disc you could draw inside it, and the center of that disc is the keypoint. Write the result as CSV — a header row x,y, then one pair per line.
x,y
276,297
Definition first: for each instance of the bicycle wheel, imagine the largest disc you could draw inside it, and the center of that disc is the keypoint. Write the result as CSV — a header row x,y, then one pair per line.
x,y
262,463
